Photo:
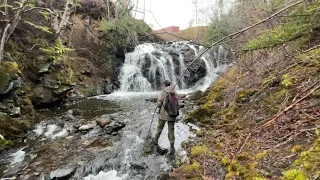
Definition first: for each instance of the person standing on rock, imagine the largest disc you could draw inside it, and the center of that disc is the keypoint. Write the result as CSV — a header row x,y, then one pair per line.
x,y
168,110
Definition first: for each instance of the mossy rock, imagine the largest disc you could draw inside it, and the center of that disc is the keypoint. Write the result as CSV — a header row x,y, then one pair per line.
x,y
192,170
16,128
4,144
244,95
65,76
199,150
7,70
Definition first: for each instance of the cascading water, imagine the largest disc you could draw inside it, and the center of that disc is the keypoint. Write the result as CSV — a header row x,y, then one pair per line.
x,y
149,64
56,146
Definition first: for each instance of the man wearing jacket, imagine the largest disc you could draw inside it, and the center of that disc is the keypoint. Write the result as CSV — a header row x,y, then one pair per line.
x,y
164,117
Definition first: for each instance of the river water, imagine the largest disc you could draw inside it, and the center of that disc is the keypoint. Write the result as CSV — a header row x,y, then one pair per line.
x,y
54,147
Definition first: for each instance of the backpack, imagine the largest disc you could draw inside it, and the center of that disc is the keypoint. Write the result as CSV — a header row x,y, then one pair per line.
x,y
171,105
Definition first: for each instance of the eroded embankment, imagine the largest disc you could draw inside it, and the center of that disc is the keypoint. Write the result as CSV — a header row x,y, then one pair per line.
x,y
259,121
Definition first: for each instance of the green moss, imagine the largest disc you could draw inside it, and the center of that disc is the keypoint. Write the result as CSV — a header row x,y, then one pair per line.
x,y
290,29
192,168
244,95
144,154
5,144
65,76
260,155
306,166
294,174
200,133
198,151
225,160
316,94
312,57
196,178
287,80
206,110
296,148
7,69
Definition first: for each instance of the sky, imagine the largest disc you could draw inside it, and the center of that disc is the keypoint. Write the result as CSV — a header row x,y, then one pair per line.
x,y
176,12
167,13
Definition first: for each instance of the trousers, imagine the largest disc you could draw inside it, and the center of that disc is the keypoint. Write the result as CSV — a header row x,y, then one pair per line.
x,y
161,124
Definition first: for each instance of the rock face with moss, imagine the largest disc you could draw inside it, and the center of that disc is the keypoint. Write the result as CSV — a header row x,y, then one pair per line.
x,y
44,69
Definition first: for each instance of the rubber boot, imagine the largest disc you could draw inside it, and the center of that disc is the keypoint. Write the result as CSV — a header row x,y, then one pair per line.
x,y
172,149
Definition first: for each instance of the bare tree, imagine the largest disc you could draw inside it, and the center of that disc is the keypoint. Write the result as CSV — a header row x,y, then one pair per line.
x,y
58,24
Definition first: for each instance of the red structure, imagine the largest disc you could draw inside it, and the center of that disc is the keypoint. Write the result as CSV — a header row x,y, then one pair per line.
x,y
170,29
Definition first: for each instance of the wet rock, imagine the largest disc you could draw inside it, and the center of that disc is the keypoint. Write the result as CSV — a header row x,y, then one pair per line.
x,y
156,54
195,96
77,125
182,105
114,126
69,115
15,112
102,122
182,96
60,124
62,173
174,53
75,96
146,65
152,100
87,127
45,67
108,86
87,72
76,112
6,88
2,114
42,95
63,89
84,128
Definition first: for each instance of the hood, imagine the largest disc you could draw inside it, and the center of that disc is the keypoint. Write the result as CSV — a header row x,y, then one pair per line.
x,y
169,89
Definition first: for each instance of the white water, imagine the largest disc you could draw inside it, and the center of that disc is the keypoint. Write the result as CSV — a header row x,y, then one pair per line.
x,y
140,75
51,131
111,175
17,157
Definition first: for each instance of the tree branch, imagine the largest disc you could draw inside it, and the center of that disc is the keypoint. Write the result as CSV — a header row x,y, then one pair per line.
x,y
240,32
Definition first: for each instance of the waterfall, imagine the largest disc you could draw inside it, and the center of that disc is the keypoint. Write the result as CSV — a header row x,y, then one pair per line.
x,y
149,64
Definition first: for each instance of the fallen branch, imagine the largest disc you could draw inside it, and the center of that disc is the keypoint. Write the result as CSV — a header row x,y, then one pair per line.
x,y
275,117
291,138
314,47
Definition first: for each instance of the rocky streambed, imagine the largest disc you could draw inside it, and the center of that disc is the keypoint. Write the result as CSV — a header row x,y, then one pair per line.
x,y
97,138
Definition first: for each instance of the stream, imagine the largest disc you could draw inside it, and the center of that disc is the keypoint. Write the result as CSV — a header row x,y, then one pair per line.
x,y
56,148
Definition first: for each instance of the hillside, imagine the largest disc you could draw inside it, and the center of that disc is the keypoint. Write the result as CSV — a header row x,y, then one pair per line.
x,y
260,119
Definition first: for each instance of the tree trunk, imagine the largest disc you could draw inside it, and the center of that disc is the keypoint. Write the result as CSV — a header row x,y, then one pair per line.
x,y
65,16
108,9
10,27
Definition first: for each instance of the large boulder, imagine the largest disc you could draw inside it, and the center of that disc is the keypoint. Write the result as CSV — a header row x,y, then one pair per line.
x,y
9,79
102,122
61,173
114,127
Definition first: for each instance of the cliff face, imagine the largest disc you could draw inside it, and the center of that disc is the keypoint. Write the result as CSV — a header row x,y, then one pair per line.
x,y
45,69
